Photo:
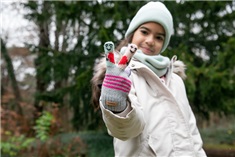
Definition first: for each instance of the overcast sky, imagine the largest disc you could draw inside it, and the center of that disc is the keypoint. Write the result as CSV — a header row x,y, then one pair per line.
x,y
15,30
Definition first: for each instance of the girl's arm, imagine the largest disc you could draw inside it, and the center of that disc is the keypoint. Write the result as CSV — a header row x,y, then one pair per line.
x,y
127,124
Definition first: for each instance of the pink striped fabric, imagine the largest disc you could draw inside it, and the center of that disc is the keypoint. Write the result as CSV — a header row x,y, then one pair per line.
x,y
117,83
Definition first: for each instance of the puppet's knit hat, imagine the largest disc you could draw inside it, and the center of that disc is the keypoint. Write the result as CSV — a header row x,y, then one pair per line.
x,y
153,12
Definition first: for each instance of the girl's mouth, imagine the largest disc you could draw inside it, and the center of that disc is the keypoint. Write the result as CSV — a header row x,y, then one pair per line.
x,y
146,50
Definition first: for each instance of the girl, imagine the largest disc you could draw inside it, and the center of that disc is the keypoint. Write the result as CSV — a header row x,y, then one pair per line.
x,y
145,106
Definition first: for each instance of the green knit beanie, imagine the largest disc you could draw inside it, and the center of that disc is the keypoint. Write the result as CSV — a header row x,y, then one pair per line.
x,y
153,12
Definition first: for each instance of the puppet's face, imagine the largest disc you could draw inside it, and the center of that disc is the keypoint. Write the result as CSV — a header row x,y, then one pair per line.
x,y
109,46
133,48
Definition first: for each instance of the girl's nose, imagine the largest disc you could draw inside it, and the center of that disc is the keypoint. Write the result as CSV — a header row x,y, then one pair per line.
x,y
150,40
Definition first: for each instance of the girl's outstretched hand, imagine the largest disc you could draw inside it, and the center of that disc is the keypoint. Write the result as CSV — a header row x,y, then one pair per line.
x,y
116,85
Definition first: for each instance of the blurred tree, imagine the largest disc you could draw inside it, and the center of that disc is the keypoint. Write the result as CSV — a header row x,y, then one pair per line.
x,y
41,14
201,30
12,78
58,65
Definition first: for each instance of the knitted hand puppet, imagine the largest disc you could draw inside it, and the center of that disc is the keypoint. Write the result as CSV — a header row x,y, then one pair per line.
x,y
116,85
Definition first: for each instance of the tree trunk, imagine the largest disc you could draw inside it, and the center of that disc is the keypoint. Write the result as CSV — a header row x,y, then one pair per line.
x,y
12,78
44,42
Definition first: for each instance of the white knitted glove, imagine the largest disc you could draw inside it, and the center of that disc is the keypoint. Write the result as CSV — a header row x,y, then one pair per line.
x,y
116,85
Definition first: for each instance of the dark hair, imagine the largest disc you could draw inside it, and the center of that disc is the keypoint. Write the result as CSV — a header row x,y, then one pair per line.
x,y
99,73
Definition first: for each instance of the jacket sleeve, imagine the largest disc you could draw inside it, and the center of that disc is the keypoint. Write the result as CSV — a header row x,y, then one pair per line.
x,y
128,124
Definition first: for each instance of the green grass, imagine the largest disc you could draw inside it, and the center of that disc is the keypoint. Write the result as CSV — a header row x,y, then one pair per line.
x,y
219,137
220,146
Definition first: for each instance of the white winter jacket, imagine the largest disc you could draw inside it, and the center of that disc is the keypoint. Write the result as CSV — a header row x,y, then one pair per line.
x,y
158,121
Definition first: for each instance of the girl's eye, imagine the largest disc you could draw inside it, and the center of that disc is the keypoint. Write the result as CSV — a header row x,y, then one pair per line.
x,y
144,32
161,38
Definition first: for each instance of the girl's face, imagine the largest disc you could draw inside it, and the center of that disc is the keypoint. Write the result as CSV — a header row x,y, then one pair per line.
x,y
149,38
